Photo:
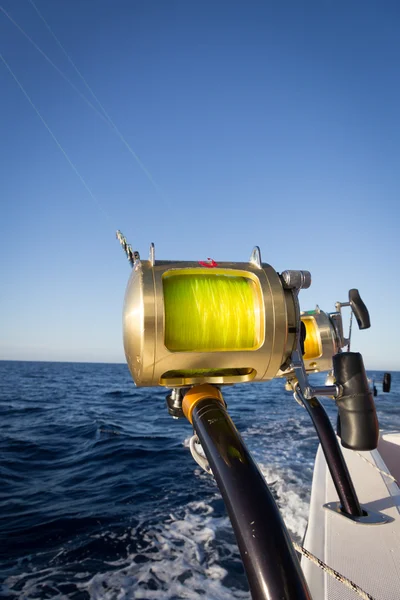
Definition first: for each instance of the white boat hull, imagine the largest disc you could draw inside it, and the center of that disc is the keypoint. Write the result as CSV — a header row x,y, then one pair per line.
x,y
368,554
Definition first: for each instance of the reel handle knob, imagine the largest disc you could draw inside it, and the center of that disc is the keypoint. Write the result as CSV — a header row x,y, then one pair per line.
x,y
359,309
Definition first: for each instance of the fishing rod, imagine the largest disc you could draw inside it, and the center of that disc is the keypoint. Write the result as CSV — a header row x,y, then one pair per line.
x,y
195,327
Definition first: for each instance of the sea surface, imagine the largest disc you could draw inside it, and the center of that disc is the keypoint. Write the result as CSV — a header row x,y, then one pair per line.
x,y
100,497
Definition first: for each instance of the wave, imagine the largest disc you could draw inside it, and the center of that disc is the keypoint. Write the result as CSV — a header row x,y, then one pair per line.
x,y
188,554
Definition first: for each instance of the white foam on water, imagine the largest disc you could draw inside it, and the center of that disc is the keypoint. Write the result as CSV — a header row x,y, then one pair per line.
x,y
177,558
284,453
33,586
294,506
292,494
184,555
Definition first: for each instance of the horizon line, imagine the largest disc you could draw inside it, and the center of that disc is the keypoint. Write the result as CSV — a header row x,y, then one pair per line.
x,y
101,362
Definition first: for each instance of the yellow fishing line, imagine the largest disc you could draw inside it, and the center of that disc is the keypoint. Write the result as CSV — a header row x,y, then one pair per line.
x,y
312,343
211,312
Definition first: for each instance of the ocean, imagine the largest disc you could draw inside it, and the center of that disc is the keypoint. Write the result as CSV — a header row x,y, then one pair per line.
x,y
100,497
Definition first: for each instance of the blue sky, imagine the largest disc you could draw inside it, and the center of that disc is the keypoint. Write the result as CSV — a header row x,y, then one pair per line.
x,y
269,123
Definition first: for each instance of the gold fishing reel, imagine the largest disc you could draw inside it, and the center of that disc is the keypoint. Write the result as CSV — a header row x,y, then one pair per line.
x,y
323,333
320,341
205,322
187,323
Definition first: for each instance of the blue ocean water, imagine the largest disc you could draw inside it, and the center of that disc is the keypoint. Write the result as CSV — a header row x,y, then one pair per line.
x,y
100,497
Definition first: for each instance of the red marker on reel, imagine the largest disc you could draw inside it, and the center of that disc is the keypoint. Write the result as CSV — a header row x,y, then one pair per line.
x,y
210,265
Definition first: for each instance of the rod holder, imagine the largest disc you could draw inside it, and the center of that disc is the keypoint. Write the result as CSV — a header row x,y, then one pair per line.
x,y
333,455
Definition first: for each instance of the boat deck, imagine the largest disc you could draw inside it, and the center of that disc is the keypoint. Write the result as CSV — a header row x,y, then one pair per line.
x,y
367,554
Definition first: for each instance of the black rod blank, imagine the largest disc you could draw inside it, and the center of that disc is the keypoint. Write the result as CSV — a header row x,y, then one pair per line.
x,y
272,568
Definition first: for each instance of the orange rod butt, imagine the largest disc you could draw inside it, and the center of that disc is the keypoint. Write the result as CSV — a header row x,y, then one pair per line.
x,y
197,393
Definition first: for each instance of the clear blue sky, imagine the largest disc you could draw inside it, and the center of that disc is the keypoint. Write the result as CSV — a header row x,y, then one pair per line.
x,y
263,122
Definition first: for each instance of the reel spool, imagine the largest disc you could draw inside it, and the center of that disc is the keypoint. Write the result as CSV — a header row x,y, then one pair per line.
x,y
188,323
323,335
321,341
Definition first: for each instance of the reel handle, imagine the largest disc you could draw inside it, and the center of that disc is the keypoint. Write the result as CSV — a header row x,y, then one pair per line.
x,y
359,309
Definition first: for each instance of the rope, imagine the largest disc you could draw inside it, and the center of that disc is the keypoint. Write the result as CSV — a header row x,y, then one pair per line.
x,y
378,469
74,168
299,401
65,54
350,327
53,65
335,574
103,115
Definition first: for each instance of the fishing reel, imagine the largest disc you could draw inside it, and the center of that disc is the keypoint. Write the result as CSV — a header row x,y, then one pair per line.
x,y
321,338
191,323
324,335
188,323
320,348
